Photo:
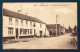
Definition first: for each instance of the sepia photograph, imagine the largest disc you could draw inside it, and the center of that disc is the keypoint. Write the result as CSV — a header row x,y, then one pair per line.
x,y
39,25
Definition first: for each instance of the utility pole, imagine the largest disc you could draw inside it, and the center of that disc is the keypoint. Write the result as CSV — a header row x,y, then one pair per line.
x,y
56,24
20,11
63,29
59,28
21,8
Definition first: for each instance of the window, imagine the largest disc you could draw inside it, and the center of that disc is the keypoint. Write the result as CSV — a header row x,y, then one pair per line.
x,y
21,31
21,21
10,21
10,30
26,22
34,24
25,31
30,31
16,21
45,29
30,23
40,25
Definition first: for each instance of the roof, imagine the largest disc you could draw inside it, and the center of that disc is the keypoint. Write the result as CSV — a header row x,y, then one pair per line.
x,y
20,16
53,25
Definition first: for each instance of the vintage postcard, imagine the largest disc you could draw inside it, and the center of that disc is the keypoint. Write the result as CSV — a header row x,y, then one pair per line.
x,y
39,25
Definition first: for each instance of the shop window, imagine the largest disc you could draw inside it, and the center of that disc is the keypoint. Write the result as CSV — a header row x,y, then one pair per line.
x,y
10,30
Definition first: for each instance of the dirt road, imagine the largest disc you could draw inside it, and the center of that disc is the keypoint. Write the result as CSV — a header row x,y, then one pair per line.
x,y
60,42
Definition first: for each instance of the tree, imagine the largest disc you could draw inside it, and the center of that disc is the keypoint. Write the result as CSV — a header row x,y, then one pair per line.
x,y
70,29
75,29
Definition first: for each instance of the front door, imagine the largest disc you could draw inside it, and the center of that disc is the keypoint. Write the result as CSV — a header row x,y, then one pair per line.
x,y
34,32
16,33
40,33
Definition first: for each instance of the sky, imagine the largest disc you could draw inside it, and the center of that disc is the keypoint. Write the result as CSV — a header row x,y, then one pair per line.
x,y
47,11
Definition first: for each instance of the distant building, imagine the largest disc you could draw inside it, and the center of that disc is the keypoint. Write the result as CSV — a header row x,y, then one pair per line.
x,y
52,29
17,25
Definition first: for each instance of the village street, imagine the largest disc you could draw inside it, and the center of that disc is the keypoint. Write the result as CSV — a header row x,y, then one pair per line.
x,y
60,42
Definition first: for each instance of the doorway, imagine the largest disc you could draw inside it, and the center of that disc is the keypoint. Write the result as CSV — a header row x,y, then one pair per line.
x,y
40,33
16,33
34,32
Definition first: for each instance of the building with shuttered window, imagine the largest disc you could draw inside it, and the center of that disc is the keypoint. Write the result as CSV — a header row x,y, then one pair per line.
x,y
16,25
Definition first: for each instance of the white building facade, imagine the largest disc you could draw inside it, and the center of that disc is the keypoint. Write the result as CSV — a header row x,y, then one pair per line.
x,y
17,25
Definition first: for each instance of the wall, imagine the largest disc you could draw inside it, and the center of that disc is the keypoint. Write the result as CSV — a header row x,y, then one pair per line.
x,y
20,26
